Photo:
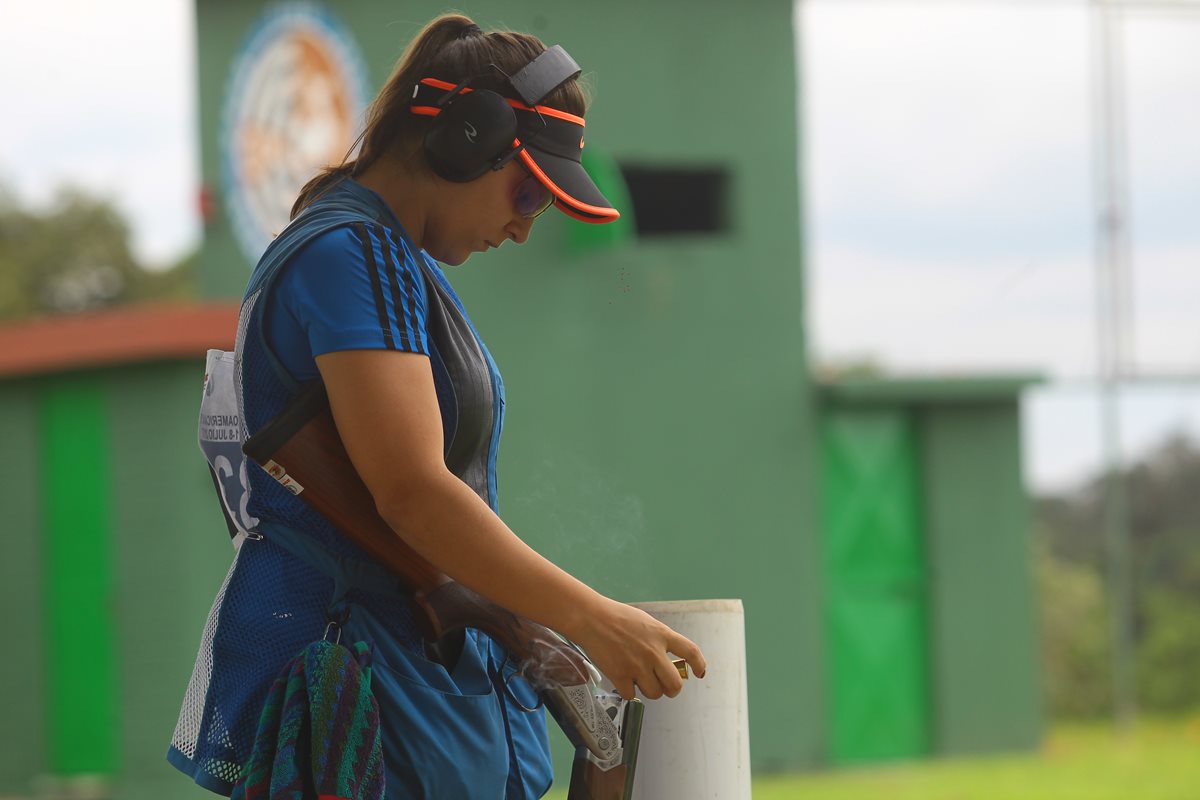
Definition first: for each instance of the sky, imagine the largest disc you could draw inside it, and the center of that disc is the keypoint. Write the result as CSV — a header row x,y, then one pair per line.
x,y
947,165
949,194
103,95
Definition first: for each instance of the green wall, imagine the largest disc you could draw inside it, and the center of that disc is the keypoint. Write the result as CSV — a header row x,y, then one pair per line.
x,y
23,669
659,439
171,543
113,552
930,623
984,654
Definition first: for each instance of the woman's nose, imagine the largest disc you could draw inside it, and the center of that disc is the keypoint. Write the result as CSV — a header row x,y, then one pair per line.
x,y
519,229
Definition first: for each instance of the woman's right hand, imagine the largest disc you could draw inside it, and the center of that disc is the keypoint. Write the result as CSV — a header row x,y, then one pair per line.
x,y
631,648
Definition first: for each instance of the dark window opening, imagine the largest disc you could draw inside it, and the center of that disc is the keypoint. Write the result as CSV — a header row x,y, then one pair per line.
x,y
675,200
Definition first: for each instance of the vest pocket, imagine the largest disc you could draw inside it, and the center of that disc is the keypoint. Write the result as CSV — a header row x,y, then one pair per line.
x,y
443,732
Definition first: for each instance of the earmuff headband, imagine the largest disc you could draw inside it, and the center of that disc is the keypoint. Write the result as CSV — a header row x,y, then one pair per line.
x,y
544,74
446,86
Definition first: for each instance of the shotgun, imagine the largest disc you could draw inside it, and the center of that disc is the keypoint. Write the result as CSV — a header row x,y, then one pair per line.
x,y
301,449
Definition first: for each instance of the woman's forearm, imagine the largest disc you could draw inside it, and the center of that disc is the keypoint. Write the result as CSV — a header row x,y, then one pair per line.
x,y
384,403
450,526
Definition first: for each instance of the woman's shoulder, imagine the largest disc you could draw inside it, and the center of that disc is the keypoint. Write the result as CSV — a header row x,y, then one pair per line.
x,y
359,267
363,242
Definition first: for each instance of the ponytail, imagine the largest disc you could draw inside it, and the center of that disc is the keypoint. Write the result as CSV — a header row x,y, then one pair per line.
x,y
388,119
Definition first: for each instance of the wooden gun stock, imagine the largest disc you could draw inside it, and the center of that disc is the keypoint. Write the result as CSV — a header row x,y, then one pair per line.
x,y
301,449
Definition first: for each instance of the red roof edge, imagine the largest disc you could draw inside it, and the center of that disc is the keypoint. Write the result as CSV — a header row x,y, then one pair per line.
x,y
130,335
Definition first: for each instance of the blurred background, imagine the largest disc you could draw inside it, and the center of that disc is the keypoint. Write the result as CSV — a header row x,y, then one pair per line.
x,y
895,341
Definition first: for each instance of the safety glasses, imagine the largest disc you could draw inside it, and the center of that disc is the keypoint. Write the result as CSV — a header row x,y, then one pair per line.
x,y
531,198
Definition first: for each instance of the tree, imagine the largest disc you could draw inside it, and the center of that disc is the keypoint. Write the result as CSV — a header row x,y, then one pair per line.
x,y
1076,665
1164,508
74,256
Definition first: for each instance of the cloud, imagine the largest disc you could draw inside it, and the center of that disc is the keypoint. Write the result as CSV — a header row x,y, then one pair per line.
x,y
925,315
1166,289
102,95
949,187
929,106
950,211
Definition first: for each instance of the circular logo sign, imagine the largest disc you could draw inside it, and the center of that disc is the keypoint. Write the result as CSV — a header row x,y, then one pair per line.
x,y
293,105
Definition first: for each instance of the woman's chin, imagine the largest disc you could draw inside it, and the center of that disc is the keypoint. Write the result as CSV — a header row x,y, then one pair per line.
x,y
447,258
450,256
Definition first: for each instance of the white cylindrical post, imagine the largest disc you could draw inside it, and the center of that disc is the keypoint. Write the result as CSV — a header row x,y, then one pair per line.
x,y
697,745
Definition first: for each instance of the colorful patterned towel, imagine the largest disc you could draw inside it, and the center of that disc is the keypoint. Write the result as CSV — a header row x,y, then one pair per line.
x,y
318,737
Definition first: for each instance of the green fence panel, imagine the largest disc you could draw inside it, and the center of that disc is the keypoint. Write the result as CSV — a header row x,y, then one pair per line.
x,y
876,603
78,579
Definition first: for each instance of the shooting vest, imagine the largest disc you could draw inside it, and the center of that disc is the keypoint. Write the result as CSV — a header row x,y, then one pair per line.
x,y
294,573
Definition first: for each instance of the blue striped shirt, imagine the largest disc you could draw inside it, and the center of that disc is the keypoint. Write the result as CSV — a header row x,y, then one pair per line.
x,y
355,287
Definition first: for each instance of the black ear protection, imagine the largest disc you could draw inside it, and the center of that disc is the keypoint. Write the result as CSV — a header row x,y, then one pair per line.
x,y
473,133
475,130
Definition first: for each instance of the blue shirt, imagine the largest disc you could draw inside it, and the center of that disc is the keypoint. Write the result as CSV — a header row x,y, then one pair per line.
x,y
350,288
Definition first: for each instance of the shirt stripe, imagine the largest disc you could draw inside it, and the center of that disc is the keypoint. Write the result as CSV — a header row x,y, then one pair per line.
x,y
413,309
385,324
402,314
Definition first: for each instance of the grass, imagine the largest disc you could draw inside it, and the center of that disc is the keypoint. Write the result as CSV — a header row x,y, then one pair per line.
x,y
1157,760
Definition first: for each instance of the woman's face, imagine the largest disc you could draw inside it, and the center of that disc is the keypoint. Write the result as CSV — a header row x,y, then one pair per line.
x,y
476,216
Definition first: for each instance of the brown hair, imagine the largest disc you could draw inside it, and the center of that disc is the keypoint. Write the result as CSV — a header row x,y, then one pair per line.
x,y
451,48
